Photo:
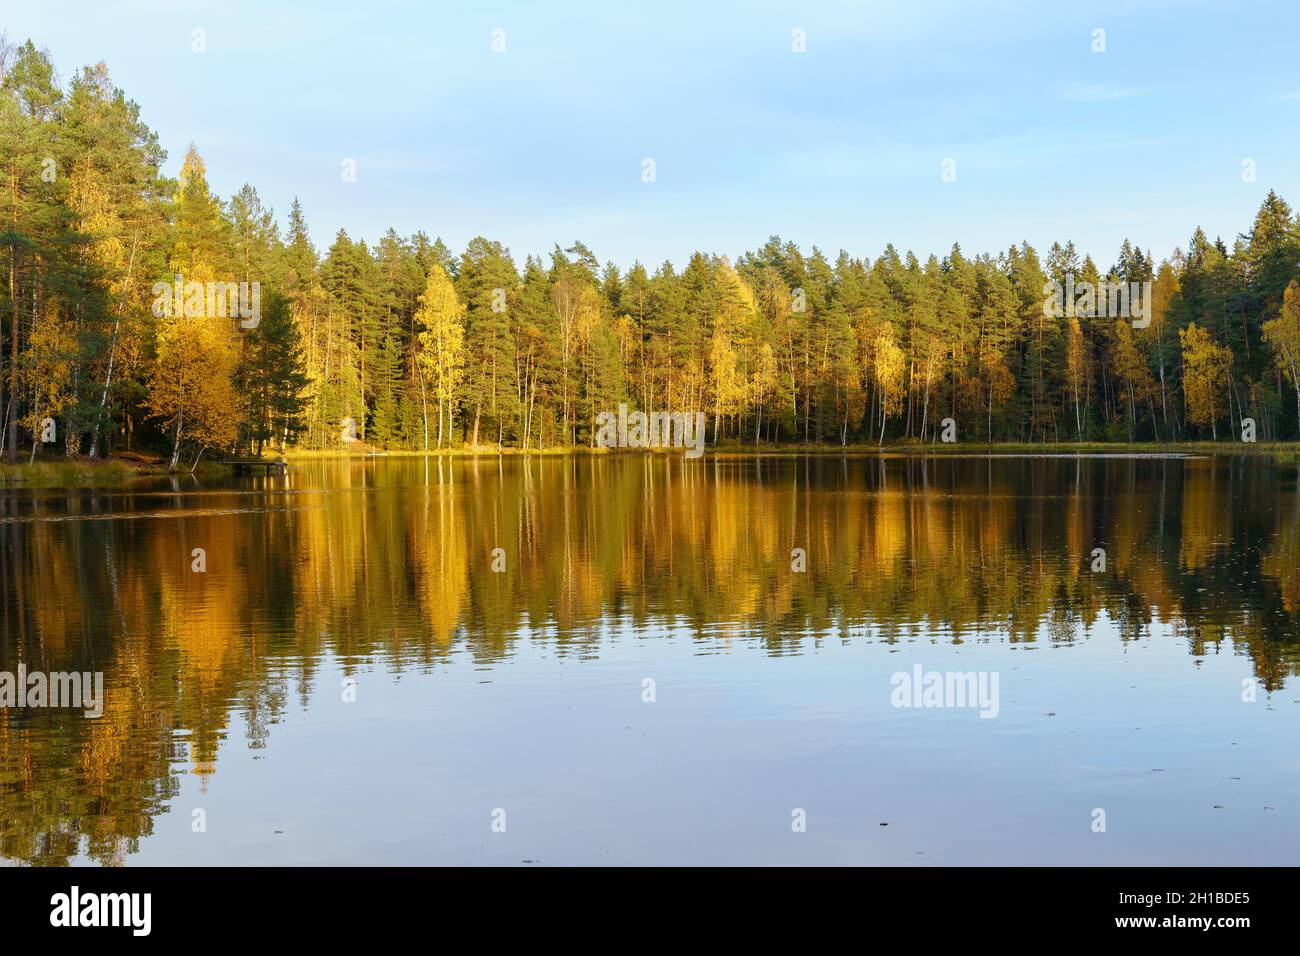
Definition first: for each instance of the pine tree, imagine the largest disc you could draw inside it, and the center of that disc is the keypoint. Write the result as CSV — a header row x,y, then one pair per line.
x,y
273,377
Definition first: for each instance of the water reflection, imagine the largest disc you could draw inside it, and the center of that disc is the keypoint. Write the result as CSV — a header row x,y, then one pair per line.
x,y
348,564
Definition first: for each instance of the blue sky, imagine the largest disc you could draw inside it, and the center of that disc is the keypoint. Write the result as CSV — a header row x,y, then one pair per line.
x,y
839,146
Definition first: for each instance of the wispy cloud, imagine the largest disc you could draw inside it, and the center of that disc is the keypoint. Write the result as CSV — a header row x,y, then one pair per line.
x,y
1293,96
1097,93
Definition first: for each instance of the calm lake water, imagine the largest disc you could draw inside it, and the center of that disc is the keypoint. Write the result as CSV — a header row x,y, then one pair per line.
x,y
643,675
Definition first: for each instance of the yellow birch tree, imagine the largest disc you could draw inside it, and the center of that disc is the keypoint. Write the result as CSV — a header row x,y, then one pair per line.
x,y
442,343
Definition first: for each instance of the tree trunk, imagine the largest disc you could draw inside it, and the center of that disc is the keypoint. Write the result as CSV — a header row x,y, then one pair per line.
x,y
112,350
15,313
176,448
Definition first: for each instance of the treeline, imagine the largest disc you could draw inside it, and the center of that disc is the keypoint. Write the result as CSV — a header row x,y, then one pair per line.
x,y
403,344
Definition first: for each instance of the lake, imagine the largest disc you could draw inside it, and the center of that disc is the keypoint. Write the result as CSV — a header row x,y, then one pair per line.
x,y
652,660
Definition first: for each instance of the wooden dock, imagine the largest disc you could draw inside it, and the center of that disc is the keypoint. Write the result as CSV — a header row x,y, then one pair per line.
x,y
254,466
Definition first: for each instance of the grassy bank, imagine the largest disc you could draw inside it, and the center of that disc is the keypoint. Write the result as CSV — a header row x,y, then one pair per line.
x,y
92,472
70,472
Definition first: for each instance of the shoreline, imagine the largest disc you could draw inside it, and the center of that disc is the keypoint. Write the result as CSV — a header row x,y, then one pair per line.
x,y
116,472
111,472
1287,449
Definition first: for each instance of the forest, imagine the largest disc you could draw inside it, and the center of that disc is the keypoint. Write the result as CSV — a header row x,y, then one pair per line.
x,y
403,344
